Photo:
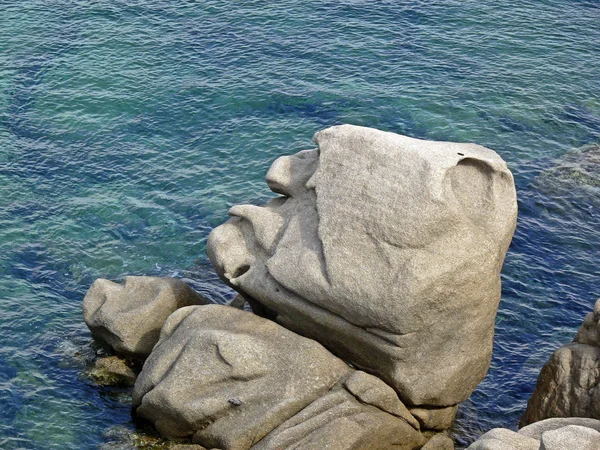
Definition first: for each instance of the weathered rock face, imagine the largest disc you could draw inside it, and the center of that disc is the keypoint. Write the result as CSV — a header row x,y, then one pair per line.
x,y
128,316
232,380
384,248
569,383
549,434
572,437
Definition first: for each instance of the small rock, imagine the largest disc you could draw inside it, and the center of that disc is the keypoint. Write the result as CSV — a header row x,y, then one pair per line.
x,y
121,437
112,371
128,316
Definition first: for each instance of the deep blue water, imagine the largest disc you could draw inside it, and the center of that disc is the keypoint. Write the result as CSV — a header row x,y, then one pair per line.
x,y
128,128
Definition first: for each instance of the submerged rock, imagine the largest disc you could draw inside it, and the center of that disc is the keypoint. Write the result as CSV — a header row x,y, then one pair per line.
x,y
572,185
569,383
384,248
232,380
577,168
128,316
549,434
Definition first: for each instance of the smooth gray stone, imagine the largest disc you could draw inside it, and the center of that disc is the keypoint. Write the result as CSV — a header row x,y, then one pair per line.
x,y
386,249
571,437
572,433
535,430
232,380
128,316
504,439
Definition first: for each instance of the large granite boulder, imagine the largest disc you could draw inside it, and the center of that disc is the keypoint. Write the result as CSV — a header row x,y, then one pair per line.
x,y
569,383
384,248
232,380
550,434
128,316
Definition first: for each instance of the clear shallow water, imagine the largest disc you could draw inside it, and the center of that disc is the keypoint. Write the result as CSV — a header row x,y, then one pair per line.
x,y
127,129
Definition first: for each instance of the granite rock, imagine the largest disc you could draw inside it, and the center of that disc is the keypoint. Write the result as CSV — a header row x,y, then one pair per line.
x,y
384,248
569,383
550,434
229,379
535,430
572,437
340,420
504,439
128,316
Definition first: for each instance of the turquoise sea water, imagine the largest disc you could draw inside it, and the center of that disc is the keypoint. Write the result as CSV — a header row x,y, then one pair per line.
x,y
128,128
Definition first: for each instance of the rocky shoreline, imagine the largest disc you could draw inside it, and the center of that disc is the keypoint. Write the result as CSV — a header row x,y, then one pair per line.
x,y
374,282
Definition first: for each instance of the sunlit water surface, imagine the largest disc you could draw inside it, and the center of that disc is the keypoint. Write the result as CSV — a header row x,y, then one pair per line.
x,y
128,128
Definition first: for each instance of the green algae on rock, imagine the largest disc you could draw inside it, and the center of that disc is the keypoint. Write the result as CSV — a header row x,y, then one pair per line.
x,y
112,371
145,438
